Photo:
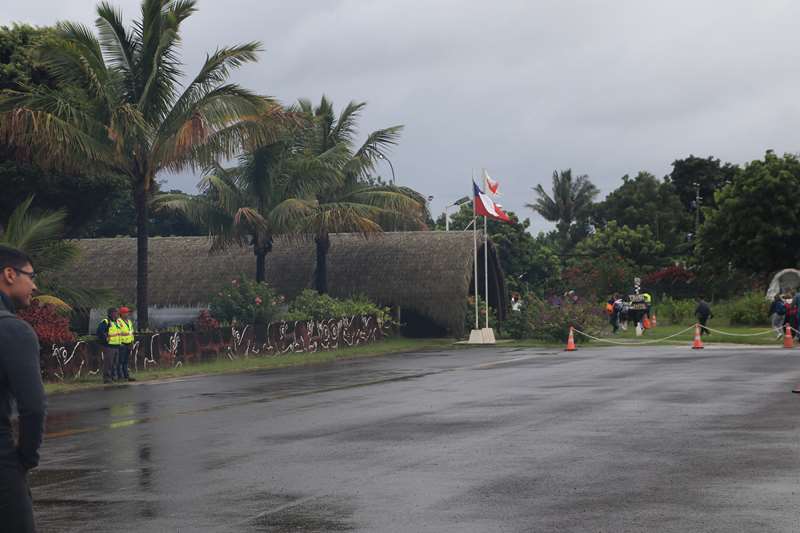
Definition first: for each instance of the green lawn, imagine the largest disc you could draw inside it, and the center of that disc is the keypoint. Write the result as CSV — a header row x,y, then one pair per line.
x,y
253,363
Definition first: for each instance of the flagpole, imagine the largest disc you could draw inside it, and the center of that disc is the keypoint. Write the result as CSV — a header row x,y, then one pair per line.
x,y
486,267
475,250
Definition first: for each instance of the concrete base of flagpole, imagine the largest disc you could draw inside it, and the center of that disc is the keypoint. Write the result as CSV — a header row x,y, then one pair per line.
x,y
482,336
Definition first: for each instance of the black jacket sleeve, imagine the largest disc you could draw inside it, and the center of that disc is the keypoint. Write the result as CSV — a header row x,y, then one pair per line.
x,y
21,366
102,332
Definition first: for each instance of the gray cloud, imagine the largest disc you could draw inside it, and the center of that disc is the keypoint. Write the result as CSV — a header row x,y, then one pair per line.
x,y
521,88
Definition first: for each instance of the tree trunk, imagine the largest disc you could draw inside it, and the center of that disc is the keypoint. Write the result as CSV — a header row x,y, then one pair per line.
x,y
140,199
261,252
321,273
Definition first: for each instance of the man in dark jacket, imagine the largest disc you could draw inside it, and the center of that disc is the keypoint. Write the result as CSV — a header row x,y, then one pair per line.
x,y
20,382
703,313
108,339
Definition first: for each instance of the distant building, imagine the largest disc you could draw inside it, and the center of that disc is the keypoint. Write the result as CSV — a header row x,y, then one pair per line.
x,y
428,275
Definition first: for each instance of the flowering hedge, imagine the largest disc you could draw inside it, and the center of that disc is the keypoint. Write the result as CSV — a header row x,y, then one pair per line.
x,y
51,326
550,321
246,301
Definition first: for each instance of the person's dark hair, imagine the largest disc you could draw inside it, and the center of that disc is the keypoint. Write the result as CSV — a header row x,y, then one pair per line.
x,y
111,310
11,257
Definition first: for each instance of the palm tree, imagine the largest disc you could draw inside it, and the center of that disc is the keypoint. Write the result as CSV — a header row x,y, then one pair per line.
x,y
570,202
236,205
118,106
41,236
343,199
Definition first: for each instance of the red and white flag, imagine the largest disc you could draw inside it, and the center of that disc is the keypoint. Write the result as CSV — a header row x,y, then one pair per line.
x,y
490,185
485,206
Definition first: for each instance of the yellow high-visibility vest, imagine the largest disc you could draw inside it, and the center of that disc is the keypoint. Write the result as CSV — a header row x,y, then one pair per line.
x,y
125,331
114,333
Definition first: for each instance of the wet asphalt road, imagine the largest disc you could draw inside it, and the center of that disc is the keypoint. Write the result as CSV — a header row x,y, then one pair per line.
x,y
484,440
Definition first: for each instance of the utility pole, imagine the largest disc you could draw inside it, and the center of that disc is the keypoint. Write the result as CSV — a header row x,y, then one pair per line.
x,y
697,199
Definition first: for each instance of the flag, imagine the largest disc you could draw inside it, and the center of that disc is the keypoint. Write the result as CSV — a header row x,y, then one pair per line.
x,y
485,206
489,184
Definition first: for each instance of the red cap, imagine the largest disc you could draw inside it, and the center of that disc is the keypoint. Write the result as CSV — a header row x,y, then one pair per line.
x,y
124,309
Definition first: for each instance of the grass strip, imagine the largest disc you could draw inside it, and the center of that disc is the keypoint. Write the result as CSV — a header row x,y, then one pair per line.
x,y
223,365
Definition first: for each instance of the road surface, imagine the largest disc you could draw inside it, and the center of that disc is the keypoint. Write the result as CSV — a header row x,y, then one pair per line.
x,y
471,440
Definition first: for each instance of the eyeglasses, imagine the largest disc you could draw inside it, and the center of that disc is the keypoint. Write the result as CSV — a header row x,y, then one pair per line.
x,y
31,275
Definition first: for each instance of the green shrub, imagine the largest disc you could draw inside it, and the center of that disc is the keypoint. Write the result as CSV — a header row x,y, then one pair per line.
x,y
675,311
311,305
546,321
469,319
246,301
752,309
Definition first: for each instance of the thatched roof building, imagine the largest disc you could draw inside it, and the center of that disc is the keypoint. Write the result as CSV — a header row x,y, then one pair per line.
x,y
426,272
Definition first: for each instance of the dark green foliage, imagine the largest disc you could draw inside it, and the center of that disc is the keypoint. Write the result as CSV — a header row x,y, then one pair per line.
x,y
647,201
709,173
638,246
311,305
19,66
597,276
756,225
117,217
752,309
529,263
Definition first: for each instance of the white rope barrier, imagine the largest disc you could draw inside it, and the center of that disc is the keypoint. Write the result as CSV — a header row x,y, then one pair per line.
x,y
662,339
632,343
772,331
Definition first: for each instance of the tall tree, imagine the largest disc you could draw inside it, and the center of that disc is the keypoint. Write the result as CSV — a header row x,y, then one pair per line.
x,y
569,206
236,205
343,198
118,106
755,225
647,201
82,195
708,174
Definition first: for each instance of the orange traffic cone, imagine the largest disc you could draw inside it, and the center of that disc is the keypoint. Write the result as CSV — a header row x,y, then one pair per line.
x,y
788,341
653,322
698,342
570,342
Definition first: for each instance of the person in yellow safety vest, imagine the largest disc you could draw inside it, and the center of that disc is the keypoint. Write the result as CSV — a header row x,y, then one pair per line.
x,y
108,336
125,326
648,301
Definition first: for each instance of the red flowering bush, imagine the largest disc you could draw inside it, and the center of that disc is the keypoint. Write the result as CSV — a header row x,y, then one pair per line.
x,y
246,301
674,281
206,321
50,326
600,276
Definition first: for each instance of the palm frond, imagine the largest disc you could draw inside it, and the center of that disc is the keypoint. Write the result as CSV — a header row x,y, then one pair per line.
x,y
120,46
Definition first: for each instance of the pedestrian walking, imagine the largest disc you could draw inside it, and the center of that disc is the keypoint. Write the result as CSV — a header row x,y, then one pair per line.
x,y
126,330
108,336
20,383
793,314
777,313
703,313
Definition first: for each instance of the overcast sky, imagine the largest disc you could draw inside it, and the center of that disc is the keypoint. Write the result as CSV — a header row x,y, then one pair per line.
x,y
518,87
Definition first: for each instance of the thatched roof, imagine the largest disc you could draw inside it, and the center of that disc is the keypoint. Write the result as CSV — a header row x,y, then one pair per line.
x,y
427,271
